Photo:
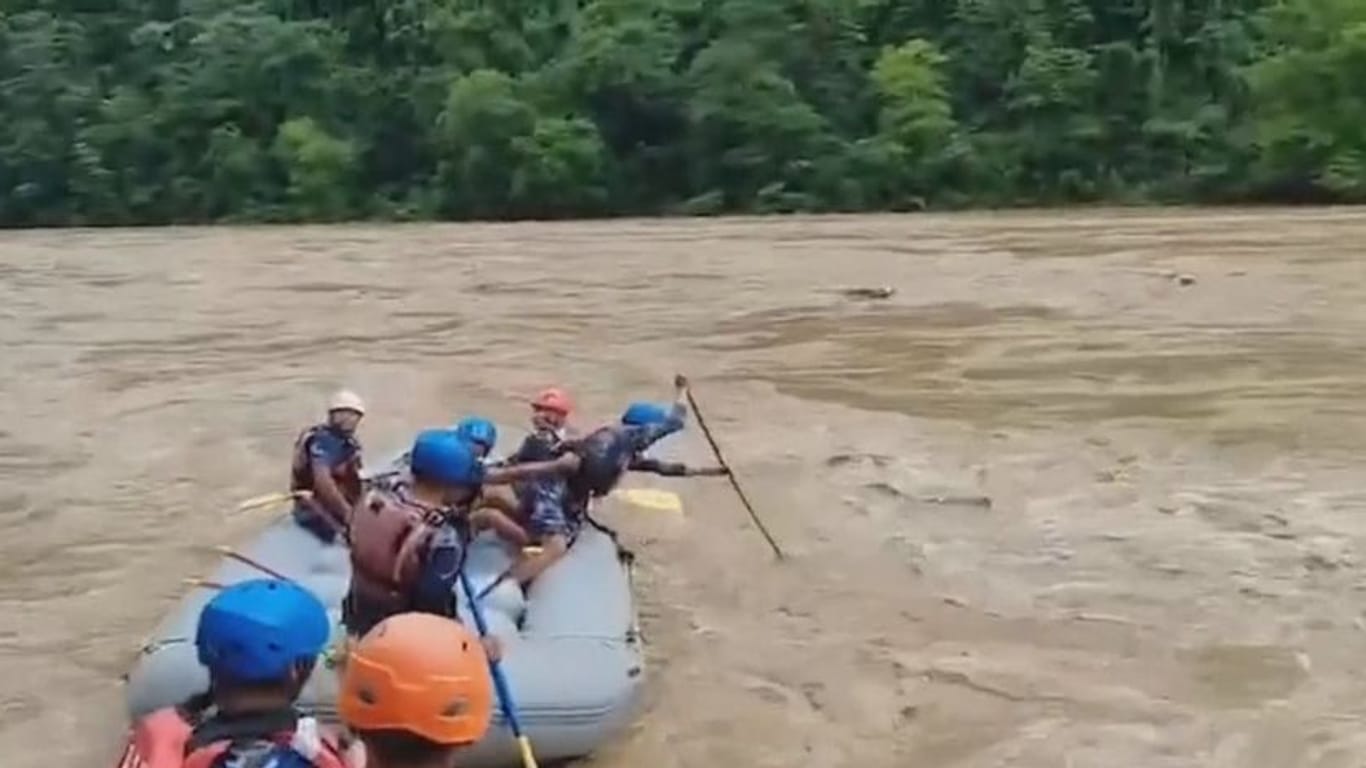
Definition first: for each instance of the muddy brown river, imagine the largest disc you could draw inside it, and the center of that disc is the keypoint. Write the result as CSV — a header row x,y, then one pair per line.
x,y
1085,491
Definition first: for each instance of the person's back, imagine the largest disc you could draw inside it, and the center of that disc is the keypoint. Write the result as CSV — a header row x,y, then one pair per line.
x,y
259,640
415,690
408,548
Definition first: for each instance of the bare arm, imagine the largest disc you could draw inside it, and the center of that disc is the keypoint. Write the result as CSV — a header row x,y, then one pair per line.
x,y
329,496
564,465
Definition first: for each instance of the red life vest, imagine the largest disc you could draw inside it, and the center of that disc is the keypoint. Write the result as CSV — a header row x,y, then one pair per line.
x,y
163,740
346,475
389,535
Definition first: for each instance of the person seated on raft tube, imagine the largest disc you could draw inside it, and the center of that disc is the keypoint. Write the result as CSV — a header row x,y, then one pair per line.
x,y
493,508
541,499
260,640
591,467
415,690
408,545
326,465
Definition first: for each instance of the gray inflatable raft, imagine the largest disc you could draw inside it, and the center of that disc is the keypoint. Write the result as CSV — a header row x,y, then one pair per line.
x,y
574,665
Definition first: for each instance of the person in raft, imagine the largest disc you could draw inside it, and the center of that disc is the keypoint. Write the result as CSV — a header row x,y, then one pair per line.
x,y
540,500
493,508
592,465
408,545
259,640
415,690
482,435
325,471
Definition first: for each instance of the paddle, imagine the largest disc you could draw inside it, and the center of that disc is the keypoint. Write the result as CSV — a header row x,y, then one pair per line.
x,y
730,475
271,499
530,550
247,561
499,681
651,498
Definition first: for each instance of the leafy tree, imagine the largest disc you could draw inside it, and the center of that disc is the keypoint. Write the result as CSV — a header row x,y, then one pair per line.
x,y
153,111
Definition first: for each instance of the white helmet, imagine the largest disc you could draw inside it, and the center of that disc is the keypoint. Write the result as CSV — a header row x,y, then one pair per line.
x,y
346,400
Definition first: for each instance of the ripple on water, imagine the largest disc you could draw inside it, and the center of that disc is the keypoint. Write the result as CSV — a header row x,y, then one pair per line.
x,y
1237,676
1031,364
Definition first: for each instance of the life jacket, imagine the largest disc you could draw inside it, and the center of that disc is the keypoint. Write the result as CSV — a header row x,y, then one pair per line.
x,y
346,475
389,535
166,739
540,446
604,455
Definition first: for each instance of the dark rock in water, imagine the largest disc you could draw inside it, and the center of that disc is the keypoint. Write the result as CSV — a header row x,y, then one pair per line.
x,y
843,459
879,292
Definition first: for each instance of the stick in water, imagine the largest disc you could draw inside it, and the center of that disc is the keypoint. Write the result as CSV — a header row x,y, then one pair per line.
x,y
730,475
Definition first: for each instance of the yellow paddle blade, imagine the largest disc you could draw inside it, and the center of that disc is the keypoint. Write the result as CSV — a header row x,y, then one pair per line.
x,y
524,745
652,498
268,500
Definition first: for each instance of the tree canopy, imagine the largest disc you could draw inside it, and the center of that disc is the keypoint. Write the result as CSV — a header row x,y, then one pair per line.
x,y
160,111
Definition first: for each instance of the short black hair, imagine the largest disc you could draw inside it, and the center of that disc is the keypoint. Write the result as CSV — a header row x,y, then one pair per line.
x,y
394,747
291,684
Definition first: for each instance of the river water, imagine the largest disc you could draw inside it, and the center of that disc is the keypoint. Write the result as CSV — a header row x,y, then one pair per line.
x,y
1085,491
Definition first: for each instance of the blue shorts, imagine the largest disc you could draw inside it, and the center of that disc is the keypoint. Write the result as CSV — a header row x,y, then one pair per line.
x,y
543,503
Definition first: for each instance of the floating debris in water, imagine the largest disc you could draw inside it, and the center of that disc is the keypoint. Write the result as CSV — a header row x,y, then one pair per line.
x,y
878,292
1180,278
960,501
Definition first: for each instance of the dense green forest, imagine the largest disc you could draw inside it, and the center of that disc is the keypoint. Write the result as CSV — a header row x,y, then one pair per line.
x,y
151,111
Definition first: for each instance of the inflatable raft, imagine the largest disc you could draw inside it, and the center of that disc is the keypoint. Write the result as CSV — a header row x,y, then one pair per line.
x,y
572,650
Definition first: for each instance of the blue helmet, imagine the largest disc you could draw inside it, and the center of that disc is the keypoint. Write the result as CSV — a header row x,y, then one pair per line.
x,y
441,456
257,631
640,414
478,430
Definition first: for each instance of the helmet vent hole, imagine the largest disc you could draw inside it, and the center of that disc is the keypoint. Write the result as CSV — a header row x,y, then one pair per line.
x,y
454,709
367,696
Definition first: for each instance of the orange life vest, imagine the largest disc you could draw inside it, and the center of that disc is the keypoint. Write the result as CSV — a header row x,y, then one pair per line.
x,y
163,739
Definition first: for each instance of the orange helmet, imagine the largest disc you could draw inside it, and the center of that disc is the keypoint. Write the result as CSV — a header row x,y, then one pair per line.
x,y
553,399
420,673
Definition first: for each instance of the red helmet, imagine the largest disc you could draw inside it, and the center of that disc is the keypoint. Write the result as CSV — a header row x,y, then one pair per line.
x,y
553,399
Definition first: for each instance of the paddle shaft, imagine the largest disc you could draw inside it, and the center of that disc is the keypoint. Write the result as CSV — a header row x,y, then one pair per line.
x,y
500,682
262,567
730,475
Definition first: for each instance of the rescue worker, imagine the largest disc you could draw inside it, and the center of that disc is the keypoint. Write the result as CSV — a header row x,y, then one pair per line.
x,y
259,640
481,434
494,508
415,690
408,544
592,466
540,500
550,413
326,465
